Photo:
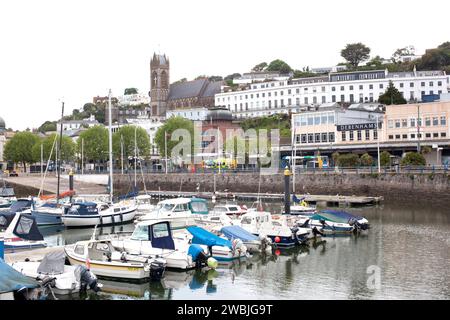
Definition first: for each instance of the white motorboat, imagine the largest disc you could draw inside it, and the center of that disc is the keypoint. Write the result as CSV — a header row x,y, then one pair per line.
x,y
180,212
105,261
22,233
252,242
143,204
230,209
64,279
86,214
154,239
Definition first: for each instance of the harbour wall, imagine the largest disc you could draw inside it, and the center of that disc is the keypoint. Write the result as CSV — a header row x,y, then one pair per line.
x,y
403,187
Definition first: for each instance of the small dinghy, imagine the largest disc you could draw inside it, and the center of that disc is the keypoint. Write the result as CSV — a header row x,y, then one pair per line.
x,y
221,249
252,242
335,222
22,233
64,279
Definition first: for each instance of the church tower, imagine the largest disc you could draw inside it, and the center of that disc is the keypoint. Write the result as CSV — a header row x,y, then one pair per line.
x,y
159,85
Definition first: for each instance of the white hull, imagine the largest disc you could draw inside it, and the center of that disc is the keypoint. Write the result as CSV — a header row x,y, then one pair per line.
x,y
89,221
175,222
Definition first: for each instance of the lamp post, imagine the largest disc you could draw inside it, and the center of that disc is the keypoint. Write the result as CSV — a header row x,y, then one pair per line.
x,y
418,128
378,144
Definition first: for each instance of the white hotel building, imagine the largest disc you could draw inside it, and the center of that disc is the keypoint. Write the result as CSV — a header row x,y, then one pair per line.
x,y
282,96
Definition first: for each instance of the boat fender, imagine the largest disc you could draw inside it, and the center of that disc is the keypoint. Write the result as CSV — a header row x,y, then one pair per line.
x,y
212,263
101,220
113,221
121,217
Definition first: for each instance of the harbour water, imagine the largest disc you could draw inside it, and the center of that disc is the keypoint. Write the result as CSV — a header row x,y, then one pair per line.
x,y
405,255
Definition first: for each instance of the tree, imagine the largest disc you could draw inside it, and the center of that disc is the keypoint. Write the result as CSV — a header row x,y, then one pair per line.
x,y
229,78
95,145
348,160
215,78
413,159
259,67
355,53
169,127
366,160
18,148
375,62
279,65
391,96
126,135
385,159
47,126
129,91
401,52
68,148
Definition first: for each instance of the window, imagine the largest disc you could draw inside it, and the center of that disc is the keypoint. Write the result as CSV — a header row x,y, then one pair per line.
x,y
413,136
435,135
419,122
310,120
431,83
317,137
275,102
282,102
370,86
404,123
324,118
331,136
391,137
315,100
333,98
351,87
397,123
323,99
404,136
140,233
350,135
360,87
251,96
281,92
289,101
435,121
397,136
381,86
263,94
331,118
257,95
401,84
443,134
443,121
427,121
367,134
411,84
79,249
411,95
375,135
422,84
361,98
333,88
359,136
324,137
390,124
316,119
289,91
342,98
297,90
412,122
343,136
427,135
310,138
306,100
342,88
269,94
303,138
297,101
160,230
352,98
439,83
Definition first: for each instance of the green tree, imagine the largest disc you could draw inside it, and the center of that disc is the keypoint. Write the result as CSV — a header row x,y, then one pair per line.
x,y
47,126
169,127
126,135
348,160
391,96
385,159
95,146
413,159
401,52
68,148
335,157
215,78
303,74
279,65
18,148
129,91
366,160
259,67
355,53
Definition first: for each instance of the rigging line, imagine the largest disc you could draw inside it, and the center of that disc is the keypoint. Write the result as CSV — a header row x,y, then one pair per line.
x,y
46,168
142,171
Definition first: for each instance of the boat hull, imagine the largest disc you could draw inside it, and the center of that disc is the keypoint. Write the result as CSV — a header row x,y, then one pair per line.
x,y
46,218
98,219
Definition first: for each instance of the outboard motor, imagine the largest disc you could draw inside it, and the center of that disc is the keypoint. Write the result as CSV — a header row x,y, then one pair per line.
x,y
157,268
198,255
86,278
316,232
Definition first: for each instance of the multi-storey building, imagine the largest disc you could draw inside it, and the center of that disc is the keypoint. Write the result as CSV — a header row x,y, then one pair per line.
x,y
270,97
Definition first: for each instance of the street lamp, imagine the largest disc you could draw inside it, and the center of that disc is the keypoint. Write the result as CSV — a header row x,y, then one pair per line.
x,y
378,144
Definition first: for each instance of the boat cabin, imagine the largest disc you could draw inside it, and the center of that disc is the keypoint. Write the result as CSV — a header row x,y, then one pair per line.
x,y
82,209
158,233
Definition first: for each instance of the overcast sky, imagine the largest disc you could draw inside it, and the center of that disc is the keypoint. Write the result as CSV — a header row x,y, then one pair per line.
x,y
79,49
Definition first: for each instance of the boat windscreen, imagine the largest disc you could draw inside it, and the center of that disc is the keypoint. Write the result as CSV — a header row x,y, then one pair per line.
x,y
26,228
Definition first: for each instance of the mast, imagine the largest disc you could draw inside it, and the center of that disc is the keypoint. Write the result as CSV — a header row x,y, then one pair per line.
x,y
135,157
110,148
58,155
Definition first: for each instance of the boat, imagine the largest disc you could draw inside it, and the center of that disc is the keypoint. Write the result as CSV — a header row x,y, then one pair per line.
x,y
180,212
220,249
334,222
22,233
48,213
100,256
260,223
65,279
88,214
301,207
155,239
143,204
19,205
252,242
16,286
7,197
230,209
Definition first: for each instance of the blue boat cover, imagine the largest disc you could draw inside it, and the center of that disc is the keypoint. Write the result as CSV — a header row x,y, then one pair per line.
x,y
236,232
26,228
201,236
12,280
161,236
194,251
340,214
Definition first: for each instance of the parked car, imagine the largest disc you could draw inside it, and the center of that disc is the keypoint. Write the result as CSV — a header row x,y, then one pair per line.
x,y
13,173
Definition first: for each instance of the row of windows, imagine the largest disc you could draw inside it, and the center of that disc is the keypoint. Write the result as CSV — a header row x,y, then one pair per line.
x,y
314,119
350,135
428,135
315,137
316,89
413,122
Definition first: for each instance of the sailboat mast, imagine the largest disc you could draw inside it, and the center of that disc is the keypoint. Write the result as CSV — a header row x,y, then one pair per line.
x,y
58,155
135,157
110,148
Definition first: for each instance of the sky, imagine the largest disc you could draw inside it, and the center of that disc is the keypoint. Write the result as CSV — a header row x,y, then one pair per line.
x,y
71,51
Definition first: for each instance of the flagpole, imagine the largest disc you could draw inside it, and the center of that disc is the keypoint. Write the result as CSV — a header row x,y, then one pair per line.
x,y
110,148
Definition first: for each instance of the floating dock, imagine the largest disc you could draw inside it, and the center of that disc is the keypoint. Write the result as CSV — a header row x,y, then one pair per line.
x,y
328,200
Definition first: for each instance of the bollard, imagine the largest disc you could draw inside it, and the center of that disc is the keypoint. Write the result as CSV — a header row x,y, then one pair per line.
x,y
287,191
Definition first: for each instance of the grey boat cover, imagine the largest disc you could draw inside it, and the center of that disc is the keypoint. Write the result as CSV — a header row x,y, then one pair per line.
x,y
53,263
6,192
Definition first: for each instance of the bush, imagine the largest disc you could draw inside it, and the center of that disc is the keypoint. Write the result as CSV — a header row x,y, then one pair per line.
x,y
413,159
348,160
385,159
366,160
